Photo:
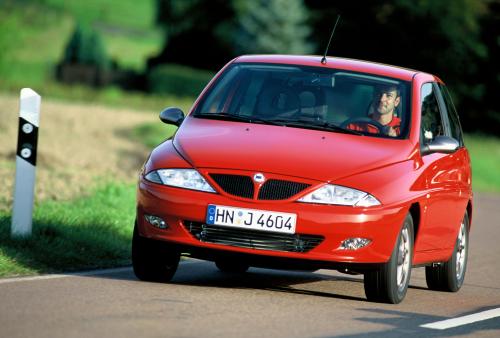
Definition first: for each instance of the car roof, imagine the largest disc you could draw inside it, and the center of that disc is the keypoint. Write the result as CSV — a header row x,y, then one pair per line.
x,y
335,63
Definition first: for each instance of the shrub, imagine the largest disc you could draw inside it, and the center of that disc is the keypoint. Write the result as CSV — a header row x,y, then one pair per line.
x,y
85,60
178,80
86,47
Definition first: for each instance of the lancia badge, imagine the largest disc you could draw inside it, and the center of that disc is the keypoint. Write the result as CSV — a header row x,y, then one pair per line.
x,y
259,178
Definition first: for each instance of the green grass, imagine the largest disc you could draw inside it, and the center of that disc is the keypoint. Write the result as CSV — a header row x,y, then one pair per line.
x,y
152,134
87,233
109,96
22,33
129,51
485,157
127,26
136,15
114,97
33,35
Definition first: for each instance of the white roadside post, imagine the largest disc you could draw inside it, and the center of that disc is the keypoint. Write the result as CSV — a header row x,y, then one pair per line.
x,y
29,118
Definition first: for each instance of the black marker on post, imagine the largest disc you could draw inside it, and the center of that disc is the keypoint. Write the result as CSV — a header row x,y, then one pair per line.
x,y
29,118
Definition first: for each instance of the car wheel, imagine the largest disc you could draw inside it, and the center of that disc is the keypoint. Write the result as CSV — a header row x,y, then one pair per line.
x,y
153,261
390,282
450,276
232,266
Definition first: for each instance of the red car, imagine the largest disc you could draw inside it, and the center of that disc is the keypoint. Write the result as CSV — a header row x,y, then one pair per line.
x,y
287,162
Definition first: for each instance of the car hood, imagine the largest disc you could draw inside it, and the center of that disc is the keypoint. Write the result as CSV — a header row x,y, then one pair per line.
x,y
312,154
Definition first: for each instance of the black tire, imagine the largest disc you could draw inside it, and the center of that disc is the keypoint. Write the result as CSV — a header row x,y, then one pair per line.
x,y
449,276
382,285
153,261
231,266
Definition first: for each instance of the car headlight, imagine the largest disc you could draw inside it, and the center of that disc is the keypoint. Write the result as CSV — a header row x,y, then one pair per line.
x,y
335,194
182,178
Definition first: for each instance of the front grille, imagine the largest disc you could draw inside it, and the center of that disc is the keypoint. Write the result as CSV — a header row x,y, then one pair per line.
x,y
235,184
280,190
272,189
252,239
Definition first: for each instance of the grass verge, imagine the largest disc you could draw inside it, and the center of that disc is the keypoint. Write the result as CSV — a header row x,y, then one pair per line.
x,y
127,27
152,134
485,156
86,233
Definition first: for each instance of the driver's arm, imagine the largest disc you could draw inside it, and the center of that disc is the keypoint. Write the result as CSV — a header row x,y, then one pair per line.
x,y
392,132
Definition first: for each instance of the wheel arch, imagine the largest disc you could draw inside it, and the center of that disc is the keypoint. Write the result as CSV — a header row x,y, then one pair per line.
x,y
416,216
469,214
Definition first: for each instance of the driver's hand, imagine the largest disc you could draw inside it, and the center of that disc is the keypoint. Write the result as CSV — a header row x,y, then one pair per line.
x,y
392,132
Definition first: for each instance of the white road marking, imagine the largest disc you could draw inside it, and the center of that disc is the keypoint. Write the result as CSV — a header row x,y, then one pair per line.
x,y
464,320
84,273
54,276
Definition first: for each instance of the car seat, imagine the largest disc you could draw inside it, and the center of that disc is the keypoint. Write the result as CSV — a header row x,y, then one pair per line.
x,y
312,103
276,99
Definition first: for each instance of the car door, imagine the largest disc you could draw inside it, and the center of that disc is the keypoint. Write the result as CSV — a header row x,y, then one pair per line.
x,y
441,176
462,158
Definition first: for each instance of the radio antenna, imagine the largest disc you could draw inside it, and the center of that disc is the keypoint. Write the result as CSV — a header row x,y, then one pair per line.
x,y
323,60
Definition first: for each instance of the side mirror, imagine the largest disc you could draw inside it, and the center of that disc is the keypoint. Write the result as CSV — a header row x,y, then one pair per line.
x,y
441,144
172,115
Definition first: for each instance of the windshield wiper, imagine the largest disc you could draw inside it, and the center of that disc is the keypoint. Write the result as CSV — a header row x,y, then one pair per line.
x,y
317,126
325,126
238,118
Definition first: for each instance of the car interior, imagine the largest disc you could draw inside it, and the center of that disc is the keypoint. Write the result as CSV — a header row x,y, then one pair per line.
x,y
297,95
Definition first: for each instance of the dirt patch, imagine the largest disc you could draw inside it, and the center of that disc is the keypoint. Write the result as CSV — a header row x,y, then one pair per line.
x,y
78,146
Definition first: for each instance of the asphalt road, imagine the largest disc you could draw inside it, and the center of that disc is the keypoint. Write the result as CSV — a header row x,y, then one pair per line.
x,y
203,302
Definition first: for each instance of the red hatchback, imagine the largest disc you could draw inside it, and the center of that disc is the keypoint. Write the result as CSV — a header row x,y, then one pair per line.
x,y
286,162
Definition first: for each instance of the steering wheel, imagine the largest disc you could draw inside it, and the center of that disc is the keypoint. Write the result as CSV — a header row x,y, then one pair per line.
x,y
381,129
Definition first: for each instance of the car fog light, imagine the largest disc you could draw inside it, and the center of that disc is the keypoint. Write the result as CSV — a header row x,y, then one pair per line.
x,y
299,244
156,221
354,243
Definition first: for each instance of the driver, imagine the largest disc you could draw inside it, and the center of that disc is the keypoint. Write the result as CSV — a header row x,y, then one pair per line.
x,y
386,100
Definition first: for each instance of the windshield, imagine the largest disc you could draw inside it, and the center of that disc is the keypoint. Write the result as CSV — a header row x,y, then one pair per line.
x,y
309,97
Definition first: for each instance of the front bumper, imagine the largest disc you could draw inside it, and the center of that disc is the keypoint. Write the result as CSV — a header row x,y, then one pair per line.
x,y
178,207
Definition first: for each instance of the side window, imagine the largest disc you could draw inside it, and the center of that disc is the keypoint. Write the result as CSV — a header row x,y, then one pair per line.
x,y
431,122
455,129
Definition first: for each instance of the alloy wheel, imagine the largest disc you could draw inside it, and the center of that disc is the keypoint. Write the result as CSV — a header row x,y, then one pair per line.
x,y
403,259
461,251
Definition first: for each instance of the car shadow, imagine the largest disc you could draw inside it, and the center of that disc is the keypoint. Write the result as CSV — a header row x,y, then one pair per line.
x,y
205,274
192,272
263,279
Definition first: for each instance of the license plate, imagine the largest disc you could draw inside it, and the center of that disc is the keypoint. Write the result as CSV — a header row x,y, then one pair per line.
x,y
251,219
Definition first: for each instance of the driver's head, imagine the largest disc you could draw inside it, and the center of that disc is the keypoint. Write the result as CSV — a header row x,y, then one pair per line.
x,y
387,98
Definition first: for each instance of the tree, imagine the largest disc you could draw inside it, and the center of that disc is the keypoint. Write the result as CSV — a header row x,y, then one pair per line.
x,y
208,33
192,33
439,37
85,59
489,71
270,26
86,47
451,47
